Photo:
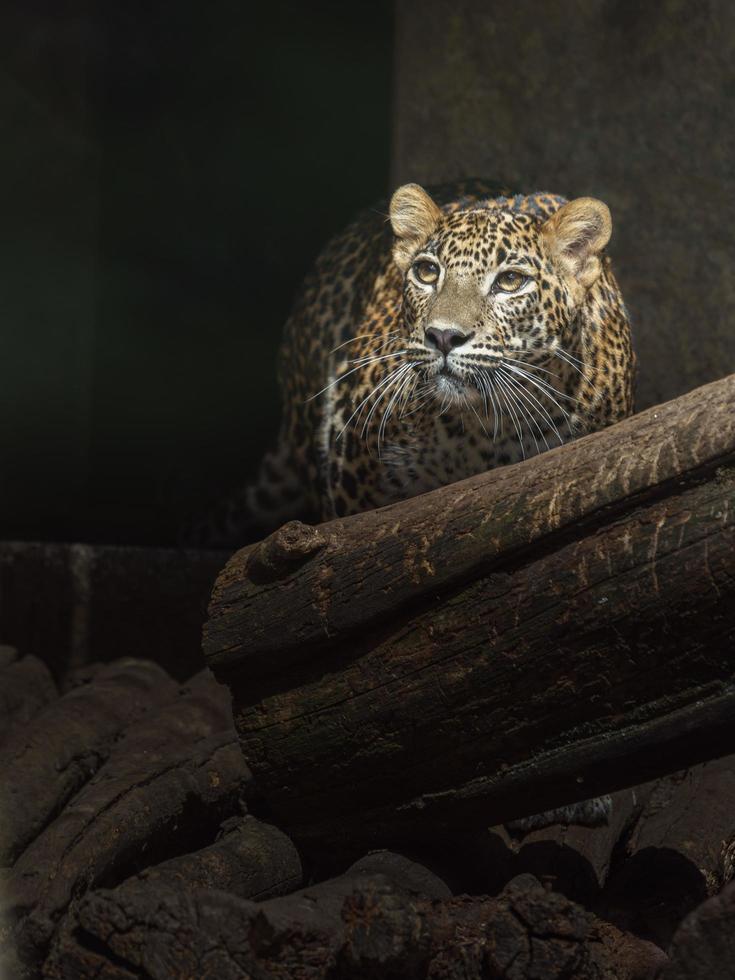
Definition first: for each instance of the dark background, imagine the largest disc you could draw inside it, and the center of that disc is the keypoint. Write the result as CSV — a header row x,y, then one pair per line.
x,y
168,172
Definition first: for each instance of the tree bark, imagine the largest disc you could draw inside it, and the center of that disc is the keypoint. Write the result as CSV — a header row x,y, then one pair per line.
x,y
523,639
176,770
47,760
357,926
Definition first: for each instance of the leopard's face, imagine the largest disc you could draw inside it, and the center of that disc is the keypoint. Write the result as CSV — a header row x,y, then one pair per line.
x,y
488,293
484,291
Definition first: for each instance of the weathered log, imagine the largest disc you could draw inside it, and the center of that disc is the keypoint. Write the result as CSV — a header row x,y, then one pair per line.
x,y
50,758
168,783
411,875
353,927
508,644
251,860
691,812
678,851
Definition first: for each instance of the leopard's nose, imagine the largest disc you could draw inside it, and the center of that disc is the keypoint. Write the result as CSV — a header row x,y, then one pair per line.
x,y
446,339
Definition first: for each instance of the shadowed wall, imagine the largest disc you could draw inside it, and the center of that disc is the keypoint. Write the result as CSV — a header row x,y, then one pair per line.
x,y
169,171
633,103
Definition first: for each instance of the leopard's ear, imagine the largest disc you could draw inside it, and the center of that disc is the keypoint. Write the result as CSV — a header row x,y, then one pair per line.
x,y
414,217
576,234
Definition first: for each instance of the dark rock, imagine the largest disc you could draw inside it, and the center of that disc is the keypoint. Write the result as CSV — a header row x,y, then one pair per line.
x,y
704,944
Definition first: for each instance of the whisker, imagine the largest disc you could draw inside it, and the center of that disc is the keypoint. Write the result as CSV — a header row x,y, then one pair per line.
x,y
524,395
383,387
502,389
544,389
482,424
480,387
376,358
488,386
410,392
525,414
546,413
544,385
393,378
387,411
530,364
565,357
368,397
536,401
424,396
561,350
364,336
359,363
333,383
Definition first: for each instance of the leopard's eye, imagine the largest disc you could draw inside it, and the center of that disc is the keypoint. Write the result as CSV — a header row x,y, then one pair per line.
x,y
426,272
509,281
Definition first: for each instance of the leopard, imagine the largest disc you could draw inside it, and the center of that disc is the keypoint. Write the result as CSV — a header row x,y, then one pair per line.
x,y
466,327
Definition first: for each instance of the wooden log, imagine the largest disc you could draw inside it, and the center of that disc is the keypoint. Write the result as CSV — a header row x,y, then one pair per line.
x,y
508,644
411,875
50,758
297,591
169,781
677,852
691,812
353,927
251,860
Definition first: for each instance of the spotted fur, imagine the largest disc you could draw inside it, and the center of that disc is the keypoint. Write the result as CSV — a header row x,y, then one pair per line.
x,y
374,411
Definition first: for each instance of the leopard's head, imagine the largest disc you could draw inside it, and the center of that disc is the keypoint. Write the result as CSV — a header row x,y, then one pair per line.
x,y
492,287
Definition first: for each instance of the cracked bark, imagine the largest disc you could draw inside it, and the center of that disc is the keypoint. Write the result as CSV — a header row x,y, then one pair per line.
x,y
515,642
46,761
168,783
355,926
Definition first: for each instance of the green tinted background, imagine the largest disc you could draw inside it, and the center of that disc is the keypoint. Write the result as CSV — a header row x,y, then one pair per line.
x,y
168,172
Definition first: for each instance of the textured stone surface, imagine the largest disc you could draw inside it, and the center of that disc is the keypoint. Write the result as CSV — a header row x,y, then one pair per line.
x,y
628,102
